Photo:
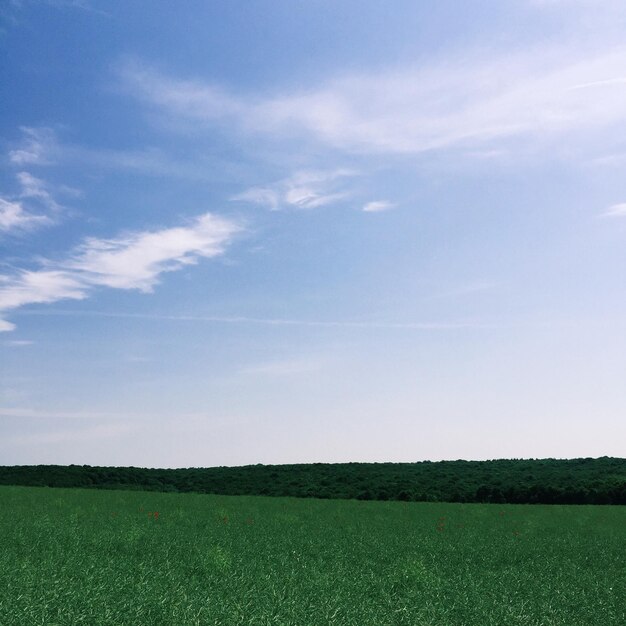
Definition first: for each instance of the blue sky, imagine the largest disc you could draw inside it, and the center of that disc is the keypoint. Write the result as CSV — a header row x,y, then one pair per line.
x,y
273,232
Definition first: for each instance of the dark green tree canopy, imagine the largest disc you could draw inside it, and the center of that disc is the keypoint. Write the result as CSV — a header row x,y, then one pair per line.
x,y
545,481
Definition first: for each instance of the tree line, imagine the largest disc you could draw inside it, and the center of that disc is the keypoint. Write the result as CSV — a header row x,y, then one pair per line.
x,y
521,481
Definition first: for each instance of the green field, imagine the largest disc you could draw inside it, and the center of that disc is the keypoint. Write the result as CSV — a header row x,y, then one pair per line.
x,y
71,556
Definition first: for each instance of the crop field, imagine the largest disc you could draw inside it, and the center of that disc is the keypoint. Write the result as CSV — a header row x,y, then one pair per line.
x,y
71,556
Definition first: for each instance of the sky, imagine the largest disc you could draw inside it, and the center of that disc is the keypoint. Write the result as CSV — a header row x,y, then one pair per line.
x,y
280,232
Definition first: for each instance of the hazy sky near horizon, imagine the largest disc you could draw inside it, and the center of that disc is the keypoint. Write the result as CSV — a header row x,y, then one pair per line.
x,y
276,232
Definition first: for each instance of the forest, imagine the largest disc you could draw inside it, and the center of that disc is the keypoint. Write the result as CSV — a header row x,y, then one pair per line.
x,y
541,481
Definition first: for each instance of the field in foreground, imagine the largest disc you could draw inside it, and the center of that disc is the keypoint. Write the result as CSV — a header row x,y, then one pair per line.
x,y
99,557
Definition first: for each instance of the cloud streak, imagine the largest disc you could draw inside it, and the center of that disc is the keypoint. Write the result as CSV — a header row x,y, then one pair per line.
x,y
36,189
30,413
37,147
307,189
460,102
133,261
616,210
34,205
378,206
268,321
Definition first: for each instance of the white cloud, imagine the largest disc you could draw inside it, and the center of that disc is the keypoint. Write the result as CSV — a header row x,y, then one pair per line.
x,y
616,210
38,287
377,206
16,212
462,102
14,217
307,189
134,261
6,327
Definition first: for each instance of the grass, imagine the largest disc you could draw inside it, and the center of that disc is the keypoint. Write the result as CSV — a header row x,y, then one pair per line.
x,y
70,556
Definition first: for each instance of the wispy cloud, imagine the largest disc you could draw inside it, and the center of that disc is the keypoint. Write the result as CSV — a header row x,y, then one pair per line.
x,y
84,5
459,102
34,205
616,210
132,261
593,4
268,321
28,412
38,287
194,99
377,206
137,260
37,189
37,147
14,217
287,367
44,146
308,189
